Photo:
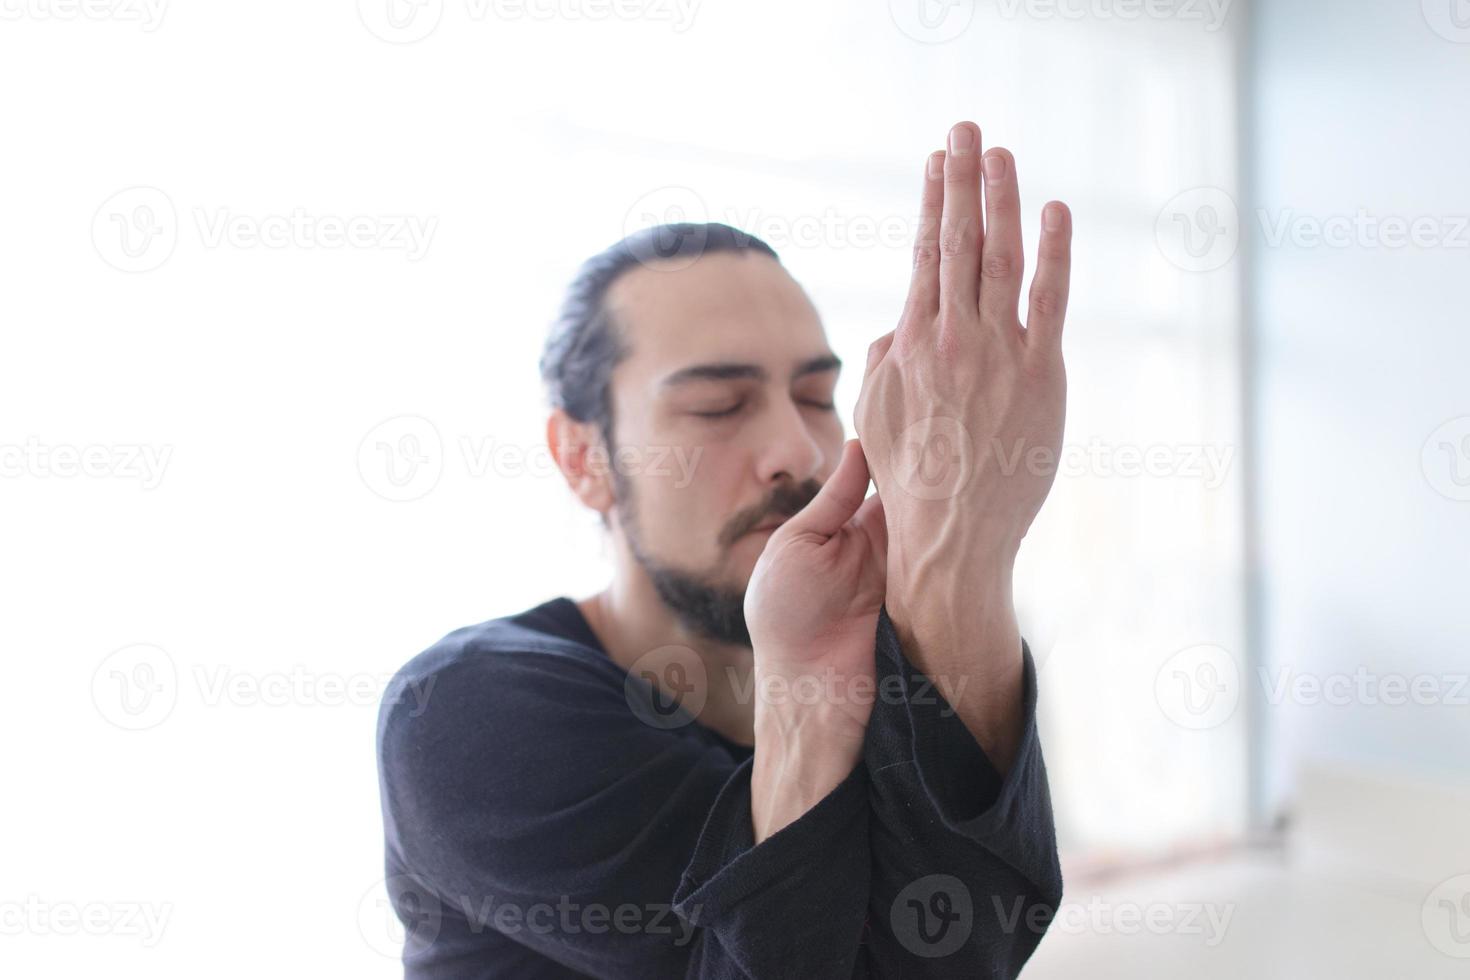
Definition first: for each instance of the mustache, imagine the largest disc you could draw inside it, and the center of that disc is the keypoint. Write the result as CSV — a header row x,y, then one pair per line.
x,y
783,502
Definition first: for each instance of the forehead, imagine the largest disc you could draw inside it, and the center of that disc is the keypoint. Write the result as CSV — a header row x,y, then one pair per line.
x,y
726,306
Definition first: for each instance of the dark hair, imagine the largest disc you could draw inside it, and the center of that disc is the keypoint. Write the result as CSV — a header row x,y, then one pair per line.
x,y
583,348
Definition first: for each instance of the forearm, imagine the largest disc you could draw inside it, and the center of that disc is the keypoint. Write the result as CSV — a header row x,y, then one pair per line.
x,y
950,599
802,753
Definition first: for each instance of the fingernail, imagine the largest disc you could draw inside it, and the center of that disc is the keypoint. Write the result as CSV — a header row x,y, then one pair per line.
x,y
1051,218
995,167
936,165
961,139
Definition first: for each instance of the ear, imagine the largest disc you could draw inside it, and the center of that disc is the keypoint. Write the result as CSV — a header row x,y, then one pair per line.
x,y
583,459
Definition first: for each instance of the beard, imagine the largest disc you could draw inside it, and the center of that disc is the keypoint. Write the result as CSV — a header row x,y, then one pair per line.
x,y
701,604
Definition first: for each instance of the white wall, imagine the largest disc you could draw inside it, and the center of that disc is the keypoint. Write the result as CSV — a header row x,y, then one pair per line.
x,y
275,554
1363,354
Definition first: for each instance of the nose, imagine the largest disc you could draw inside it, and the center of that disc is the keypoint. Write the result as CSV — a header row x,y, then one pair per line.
x,y
787,449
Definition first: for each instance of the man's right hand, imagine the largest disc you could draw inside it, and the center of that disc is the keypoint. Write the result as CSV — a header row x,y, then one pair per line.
x,y
960,417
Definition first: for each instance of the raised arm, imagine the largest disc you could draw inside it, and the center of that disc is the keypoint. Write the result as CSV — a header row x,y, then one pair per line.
x,y
961,418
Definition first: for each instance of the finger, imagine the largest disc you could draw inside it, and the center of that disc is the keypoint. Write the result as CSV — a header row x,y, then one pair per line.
x,y
1050,286
923,301
839,498
872,521
1002,260
877,350
961,234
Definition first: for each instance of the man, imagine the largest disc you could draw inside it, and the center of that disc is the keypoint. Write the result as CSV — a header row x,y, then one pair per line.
x,y
795,736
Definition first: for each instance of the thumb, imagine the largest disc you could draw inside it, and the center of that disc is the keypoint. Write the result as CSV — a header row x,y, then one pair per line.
x,y
839,498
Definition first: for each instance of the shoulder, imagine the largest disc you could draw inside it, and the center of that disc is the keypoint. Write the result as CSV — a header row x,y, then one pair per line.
x,y
496,702
504,664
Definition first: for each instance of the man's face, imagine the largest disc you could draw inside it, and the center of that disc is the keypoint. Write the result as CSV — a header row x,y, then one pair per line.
x,y
723,422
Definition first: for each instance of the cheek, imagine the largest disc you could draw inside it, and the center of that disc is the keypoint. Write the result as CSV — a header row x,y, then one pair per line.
x,y
677,494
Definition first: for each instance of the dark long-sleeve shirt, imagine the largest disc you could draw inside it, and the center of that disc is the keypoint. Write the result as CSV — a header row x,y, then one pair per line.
x,y
548,816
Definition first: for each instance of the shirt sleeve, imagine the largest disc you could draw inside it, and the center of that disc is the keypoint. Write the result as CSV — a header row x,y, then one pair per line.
x,y
524,795
965,875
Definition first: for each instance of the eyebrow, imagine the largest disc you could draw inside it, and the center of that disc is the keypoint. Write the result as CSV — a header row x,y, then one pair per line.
x,y
734,371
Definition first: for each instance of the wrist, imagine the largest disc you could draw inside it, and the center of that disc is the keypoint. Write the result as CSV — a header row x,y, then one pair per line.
x,y
941,592
802,753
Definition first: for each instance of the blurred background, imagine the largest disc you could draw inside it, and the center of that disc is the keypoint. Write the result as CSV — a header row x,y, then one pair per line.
x,y
276,278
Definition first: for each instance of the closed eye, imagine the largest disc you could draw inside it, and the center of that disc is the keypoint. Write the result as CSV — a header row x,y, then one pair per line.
x,y
720,413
